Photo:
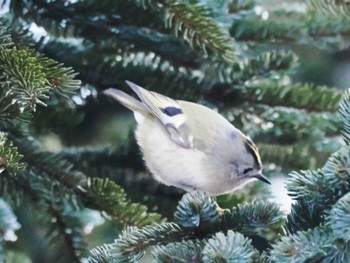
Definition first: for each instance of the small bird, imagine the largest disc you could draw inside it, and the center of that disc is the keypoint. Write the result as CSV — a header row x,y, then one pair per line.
x,y
188,145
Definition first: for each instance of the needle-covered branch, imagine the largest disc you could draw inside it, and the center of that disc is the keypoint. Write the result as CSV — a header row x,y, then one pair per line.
x,y
195,27
10,158
199,218
319,28
27,77
297,95
96,193
312,245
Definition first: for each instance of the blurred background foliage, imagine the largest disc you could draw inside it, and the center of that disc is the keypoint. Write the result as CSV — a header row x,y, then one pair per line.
x,y
72,176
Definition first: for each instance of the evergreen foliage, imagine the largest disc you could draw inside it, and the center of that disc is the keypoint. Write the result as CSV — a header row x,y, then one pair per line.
x,y
240,58
193,22
233,247
257,220
179,252
196,209
8,225
10,158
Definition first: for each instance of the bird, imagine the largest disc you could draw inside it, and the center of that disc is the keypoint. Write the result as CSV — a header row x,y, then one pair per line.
x,y
188,145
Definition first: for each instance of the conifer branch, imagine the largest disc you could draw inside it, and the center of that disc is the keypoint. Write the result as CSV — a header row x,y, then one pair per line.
x,y
66,230
105,195
291,156
45,195
316,191
8,220
337,218
322,187
61,214
95,193
304,215
321,30
122,36
195,27
102,194
263,65
230,247
13,189
310,185
26,76
153,69
268,95
179,252
26,79
8,223
10,159
337,169
131,244
333,7
296,95
340,252
196,210
212,250
175,78
31,77
61,79
257,218
101,254
312,246
278,124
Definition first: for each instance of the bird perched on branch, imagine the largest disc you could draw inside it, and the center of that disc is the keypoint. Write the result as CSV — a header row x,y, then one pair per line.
x,y
190,146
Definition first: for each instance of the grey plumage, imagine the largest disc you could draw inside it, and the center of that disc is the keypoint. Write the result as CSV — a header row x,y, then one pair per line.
x,y
190,146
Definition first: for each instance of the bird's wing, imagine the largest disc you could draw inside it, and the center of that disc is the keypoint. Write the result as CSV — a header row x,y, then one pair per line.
x,y
168,112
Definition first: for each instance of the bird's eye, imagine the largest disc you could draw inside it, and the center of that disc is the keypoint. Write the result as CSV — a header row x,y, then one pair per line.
x,y
247,170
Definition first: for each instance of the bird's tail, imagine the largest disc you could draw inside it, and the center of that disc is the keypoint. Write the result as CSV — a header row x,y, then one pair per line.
x,y
126,100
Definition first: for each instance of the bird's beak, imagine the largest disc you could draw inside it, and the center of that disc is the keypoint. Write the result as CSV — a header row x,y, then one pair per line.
x,y
262,178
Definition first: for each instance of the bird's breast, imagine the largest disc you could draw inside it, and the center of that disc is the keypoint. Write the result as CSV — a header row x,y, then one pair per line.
x,y
189,169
